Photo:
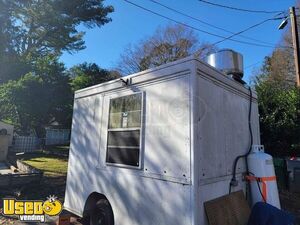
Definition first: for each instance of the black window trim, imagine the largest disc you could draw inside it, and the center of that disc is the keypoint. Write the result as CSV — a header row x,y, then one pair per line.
x,y
127,129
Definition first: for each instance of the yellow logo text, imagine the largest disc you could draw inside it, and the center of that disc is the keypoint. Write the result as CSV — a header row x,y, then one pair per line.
x,y
32,211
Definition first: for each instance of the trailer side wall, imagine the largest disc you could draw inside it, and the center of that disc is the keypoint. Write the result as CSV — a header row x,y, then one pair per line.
x,y
159,192
222,133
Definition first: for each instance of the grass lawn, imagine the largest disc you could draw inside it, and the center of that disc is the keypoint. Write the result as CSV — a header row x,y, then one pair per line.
x,y
61,150
54,163
54,167
51,165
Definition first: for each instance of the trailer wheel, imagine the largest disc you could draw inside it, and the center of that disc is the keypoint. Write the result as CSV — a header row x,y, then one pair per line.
x,y
102,213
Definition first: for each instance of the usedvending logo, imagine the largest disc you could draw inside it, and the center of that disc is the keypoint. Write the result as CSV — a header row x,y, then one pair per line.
x,y
32,211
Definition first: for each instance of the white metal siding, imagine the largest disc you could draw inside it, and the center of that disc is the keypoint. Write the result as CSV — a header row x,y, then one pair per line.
x,y
221,134
166,189
83,151
133,193
223,131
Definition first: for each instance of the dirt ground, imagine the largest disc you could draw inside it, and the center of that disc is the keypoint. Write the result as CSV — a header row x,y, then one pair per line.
x,y
49,186
54,183
53,163
291,203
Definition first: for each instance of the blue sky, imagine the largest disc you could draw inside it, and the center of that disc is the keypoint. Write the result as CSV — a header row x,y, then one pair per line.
x,y
131,24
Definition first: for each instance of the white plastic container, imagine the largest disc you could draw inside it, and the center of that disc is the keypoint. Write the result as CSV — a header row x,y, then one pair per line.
x,y
262,171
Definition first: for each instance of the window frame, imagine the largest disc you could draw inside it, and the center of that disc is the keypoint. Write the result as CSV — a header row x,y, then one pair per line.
x,y
140,129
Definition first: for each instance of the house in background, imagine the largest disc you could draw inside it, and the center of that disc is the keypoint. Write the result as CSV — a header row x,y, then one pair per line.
x,y
6,137
10,131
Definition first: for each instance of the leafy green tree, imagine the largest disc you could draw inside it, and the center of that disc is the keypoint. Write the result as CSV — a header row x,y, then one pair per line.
x,y
88,74
23,102
38,99
34,87
31,29
279,108
279,100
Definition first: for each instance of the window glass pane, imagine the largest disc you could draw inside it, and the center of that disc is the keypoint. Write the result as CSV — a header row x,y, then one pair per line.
x,y
127,156
125,112
124,138
123,145
134,119
115,120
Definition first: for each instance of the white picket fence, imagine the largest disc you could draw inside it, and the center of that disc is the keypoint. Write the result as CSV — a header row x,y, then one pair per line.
x,y
32,143
25,143
57,136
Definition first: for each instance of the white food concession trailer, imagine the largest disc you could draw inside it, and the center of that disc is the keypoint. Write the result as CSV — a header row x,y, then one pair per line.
x,y
152,147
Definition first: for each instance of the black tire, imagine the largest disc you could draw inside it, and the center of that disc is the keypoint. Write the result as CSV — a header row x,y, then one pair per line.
x,y
102,213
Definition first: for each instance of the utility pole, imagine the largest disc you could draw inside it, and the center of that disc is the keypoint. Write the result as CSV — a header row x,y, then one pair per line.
x,y
295,43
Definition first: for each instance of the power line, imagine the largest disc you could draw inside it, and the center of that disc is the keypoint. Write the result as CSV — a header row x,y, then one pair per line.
x,y
240,9
206,23
242,31
206,32
252,65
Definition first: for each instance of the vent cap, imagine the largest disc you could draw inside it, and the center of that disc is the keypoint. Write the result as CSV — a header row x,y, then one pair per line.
x,y
228,62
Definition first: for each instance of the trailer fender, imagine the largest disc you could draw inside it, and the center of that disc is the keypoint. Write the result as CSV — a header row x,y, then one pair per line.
x,y
97,203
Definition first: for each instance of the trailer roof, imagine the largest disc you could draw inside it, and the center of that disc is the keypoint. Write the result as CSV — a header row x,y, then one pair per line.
x,y
177,65
180,61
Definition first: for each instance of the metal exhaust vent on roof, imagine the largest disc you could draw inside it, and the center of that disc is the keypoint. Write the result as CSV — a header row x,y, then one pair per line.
x,y
228,62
